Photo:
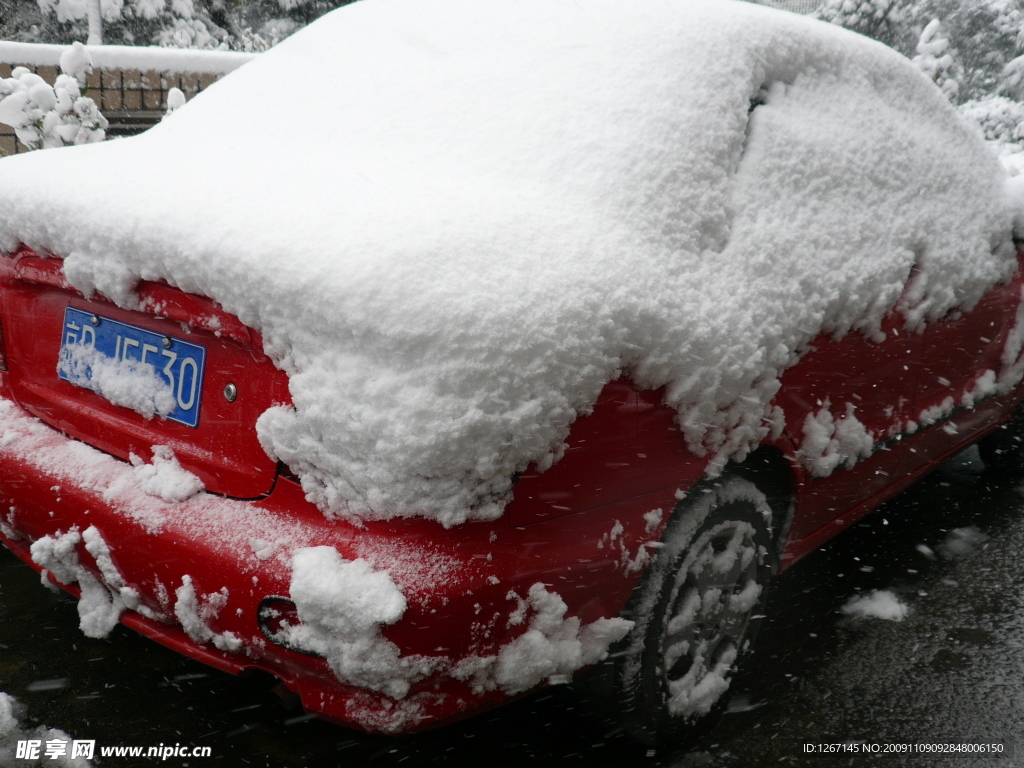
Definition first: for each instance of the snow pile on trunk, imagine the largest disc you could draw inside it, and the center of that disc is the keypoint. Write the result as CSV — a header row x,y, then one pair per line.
x,y
165,477
877,604
126,382
492,209
12,731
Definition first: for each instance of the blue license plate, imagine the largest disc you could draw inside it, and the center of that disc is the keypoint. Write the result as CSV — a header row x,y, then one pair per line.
x,y
179,364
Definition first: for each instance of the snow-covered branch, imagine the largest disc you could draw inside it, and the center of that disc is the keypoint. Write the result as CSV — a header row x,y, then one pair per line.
x,y
45,116
936,60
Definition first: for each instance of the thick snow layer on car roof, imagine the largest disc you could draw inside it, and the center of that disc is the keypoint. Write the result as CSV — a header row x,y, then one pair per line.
x,y
455,220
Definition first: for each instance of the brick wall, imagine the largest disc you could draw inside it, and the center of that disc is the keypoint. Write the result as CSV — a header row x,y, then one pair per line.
x,y
130,99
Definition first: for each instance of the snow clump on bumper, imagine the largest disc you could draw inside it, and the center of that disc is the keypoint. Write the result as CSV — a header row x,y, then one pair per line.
x,y
343,605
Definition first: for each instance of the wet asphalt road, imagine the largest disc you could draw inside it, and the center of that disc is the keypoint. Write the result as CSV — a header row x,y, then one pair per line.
x,y
952,670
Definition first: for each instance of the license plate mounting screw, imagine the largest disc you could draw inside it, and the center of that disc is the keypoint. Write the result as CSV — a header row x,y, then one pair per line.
x,y
230,393
166,341
95,319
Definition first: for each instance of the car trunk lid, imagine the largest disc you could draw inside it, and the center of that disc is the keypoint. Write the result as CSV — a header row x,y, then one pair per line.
x,y
211,362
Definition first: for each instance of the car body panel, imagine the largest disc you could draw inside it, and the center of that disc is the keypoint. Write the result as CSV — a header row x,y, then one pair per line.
x,y
613,454
878,380
958,349
586,528
928,450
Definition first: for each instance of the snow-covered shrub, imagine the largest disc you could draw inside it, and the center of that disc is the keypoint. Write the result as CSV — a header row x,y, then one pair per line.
x,y
242,25
45,116
935,60
78,10
191,33
983,35
874,18
1000,119
255,25
76,62
250,42
182,23
269,34
1011,83
195,33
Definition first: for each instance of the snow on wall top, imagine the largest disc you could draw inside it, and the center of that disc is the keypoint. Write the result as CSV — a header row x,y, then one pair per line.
x,y
127,57
455,220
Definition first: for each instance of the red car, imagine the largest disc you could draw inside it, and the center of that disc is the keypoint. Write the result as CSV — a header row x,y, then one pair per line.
x,y
322,429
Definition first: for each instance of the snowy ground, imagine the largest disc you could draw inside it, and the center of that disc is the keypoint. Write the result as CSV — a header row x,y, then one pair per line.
x,y
950,669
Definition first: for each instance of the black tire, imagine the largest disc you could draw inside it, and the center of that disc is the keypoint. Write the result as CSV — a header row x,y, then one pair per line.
x,y
694,611
1003,449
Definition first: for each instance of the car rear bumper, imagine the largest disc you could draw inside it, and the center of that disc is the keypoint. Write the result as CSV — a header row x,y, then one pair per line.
x,y
462,586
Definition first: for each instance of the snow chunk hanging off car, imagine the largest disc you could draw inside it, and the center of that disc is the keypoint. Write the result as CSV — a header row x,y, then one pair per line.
x,y
342,606
455,220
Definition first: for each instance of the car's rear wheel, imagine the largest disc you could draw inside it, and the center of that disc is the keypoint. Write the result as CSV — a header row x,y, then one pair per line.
x,y
1003,449
695,611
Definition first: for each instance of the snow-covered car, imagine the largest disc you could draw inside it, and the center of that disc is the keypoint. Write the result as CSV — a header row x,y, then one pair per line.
x,y
455,346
